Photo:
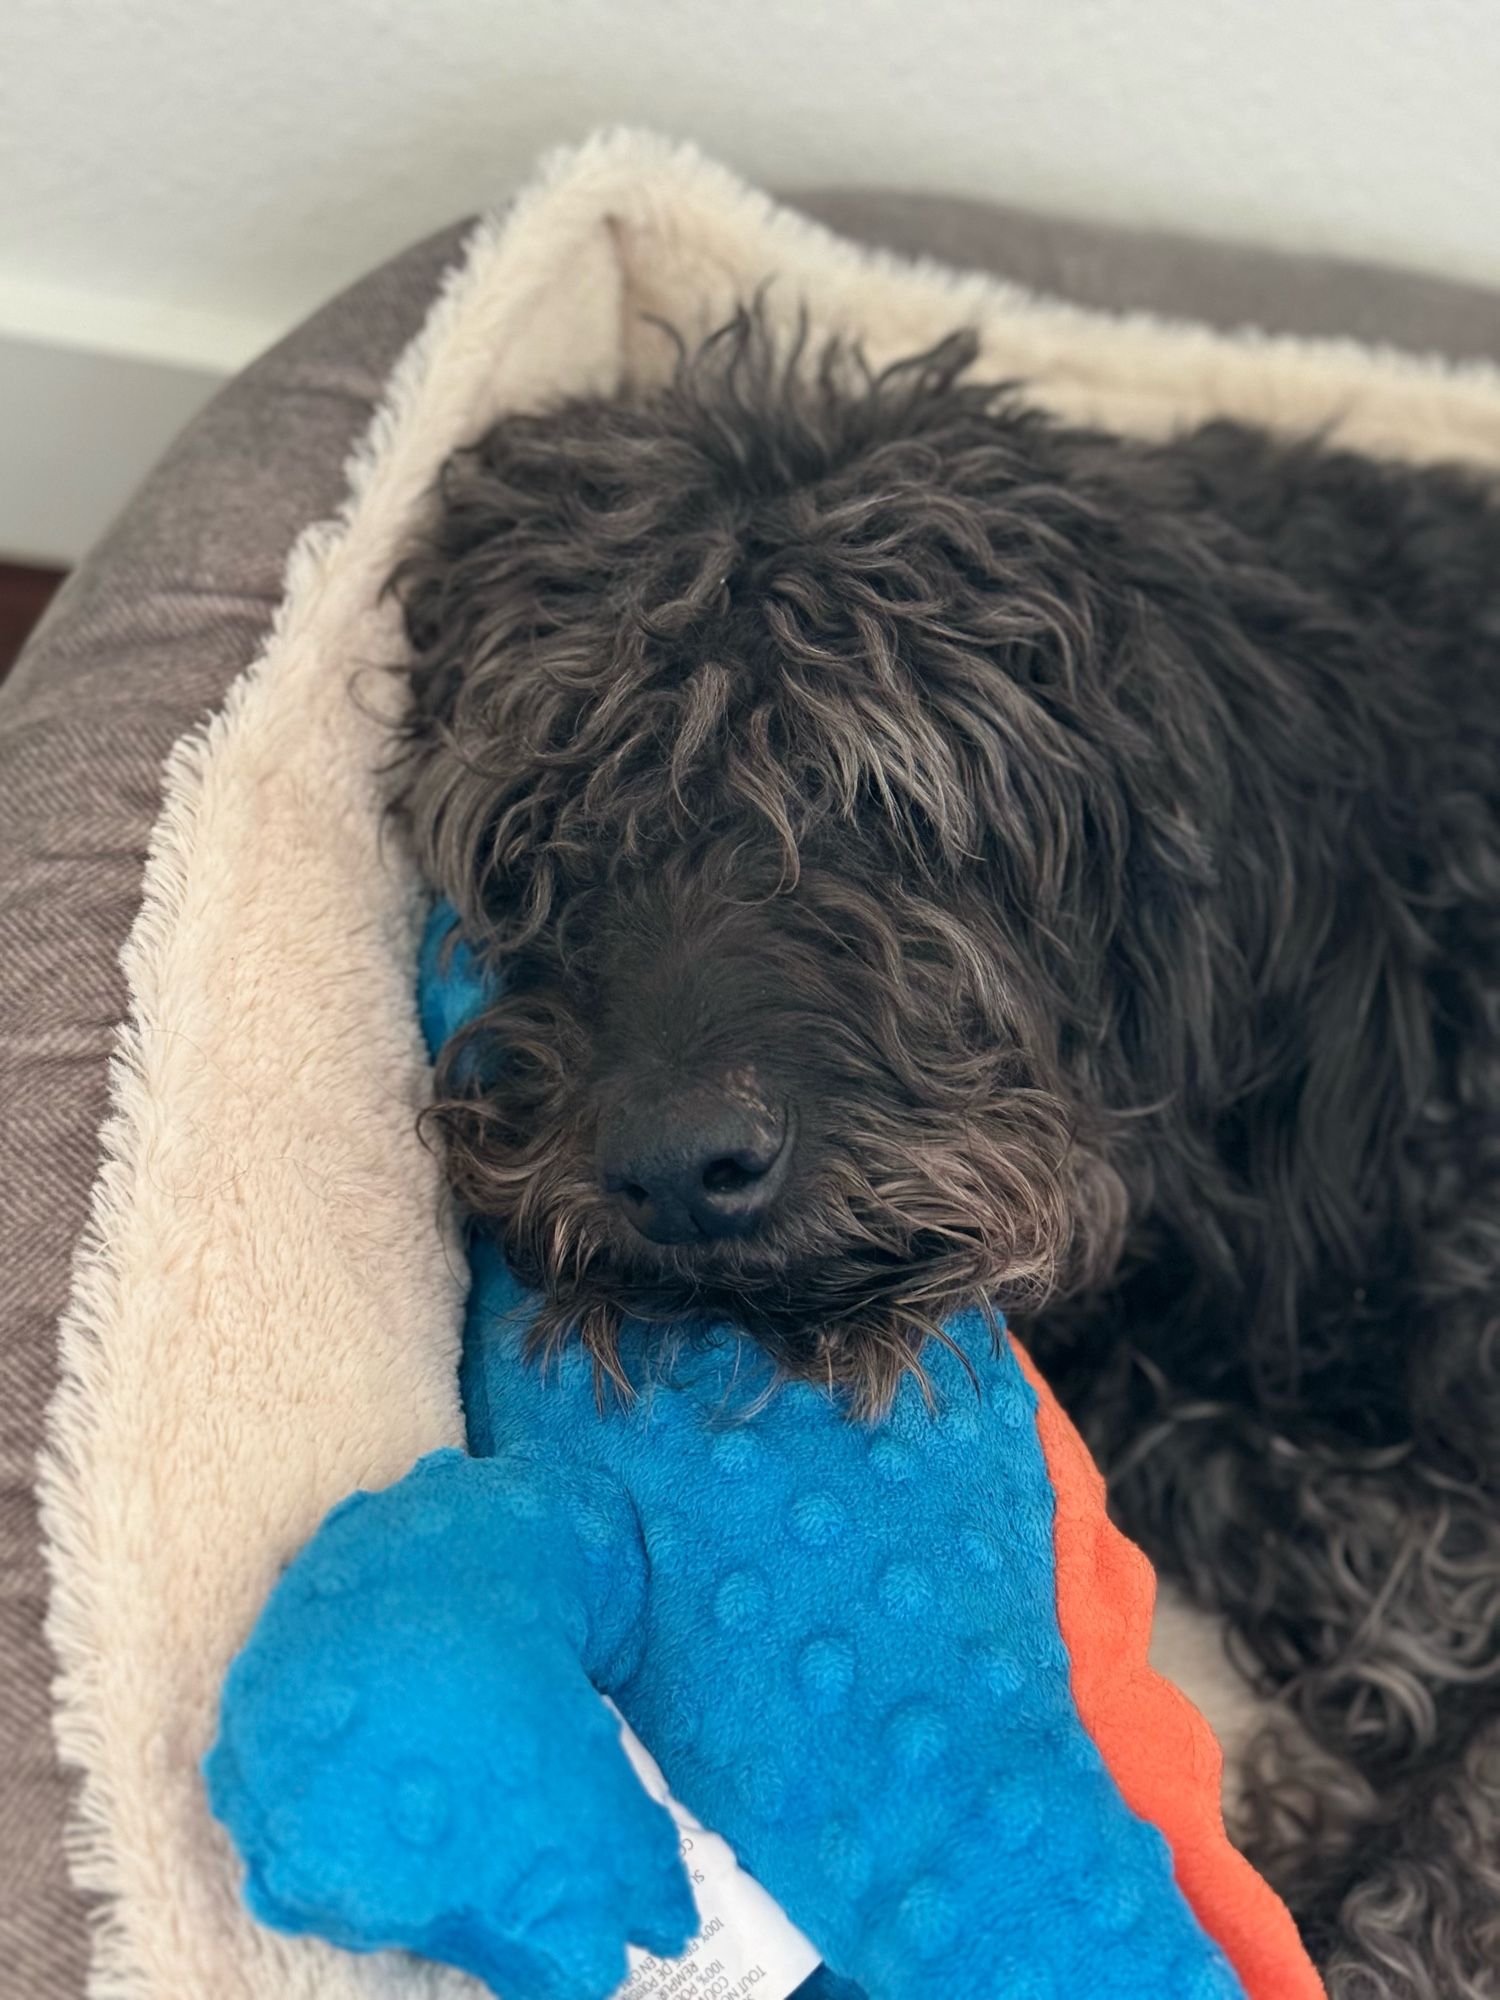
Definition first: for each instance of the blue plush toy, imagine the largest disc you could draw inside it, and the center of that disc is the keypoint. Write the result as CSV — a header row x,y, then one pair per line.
x,y
841,1642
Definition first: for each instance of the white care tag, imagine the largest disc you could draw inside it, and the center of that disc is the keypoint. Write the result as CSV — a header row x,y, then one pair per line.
x,y
746,1944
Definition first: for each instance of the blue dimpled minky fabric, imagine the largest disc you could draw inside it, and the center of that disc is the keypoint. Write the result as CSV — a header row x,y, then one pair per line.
x,y
839,1641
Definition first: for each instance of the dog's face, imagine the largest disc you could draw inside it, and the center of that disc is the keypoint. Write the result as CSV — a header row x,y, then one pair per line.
x,y
756,790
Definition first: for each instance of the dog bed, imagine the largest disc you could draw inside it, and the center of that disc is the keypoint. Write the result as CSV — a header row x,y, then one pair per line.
x,y
264,1313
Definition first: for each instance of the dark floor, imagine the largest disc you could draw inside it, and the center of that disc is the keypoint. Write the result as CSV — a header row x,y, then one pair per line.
x,y
25,592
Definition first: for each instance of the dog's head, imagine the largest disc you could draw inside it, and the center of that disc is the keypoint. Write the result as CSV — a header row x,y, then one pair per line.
x,y
746,740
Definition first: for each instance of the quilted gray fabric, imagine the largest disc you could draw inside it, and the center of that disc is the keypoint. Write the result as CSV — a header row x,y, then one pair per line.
x,y
143,642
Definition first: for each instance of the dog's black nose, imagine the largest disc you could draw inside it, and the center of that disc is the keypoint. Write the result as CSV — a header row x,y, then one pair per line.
x,y
696,1164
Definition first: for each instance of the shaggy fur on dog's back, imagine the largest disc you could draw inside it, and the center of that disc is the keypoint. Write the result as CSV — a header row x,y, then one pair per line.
x,y
1096,845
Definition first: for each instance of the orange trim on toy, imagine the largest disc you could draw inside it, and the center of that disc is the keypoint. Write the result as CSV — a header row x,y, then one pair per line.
x,y
1160,1751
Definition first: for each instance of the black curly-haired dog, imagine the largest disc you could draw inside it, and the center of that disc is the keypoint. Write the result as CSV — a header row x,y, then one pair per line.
x,y
936,853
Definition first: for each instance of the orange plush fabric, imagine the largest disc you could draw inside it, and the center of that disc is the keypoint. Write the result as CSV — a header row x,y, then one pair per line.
x,y
1161,1752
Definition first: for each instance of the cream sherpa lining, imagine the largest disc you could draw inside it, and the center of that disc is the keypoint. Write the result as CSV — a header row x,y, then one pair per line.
x,y
265,1311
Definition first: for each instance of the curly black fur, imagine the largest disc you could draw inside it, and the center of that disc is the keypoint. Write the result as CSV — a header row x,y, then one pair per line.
x,y
1097,844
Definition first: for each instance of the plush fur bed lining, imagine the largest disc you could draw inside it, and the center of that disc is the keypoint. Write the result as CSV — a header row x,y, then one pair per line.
x,y
266,1306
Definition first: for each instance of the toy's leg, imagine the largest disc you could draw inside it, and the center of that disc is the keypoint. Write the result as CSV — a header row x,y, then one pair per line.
x,y
413,1752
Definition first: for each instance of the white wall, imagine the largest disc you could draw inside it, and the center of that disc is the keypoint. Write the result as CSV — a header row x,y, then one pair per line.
x,y
181,179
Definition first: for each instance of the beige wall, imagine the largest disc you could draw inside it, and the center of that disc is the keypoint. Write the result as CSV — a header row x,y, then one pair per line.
x,y
181,179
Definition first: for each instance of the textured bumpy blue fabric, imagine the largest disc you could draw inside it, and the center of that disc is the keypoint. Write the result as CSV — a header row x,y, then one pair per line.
x,y
839,1641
